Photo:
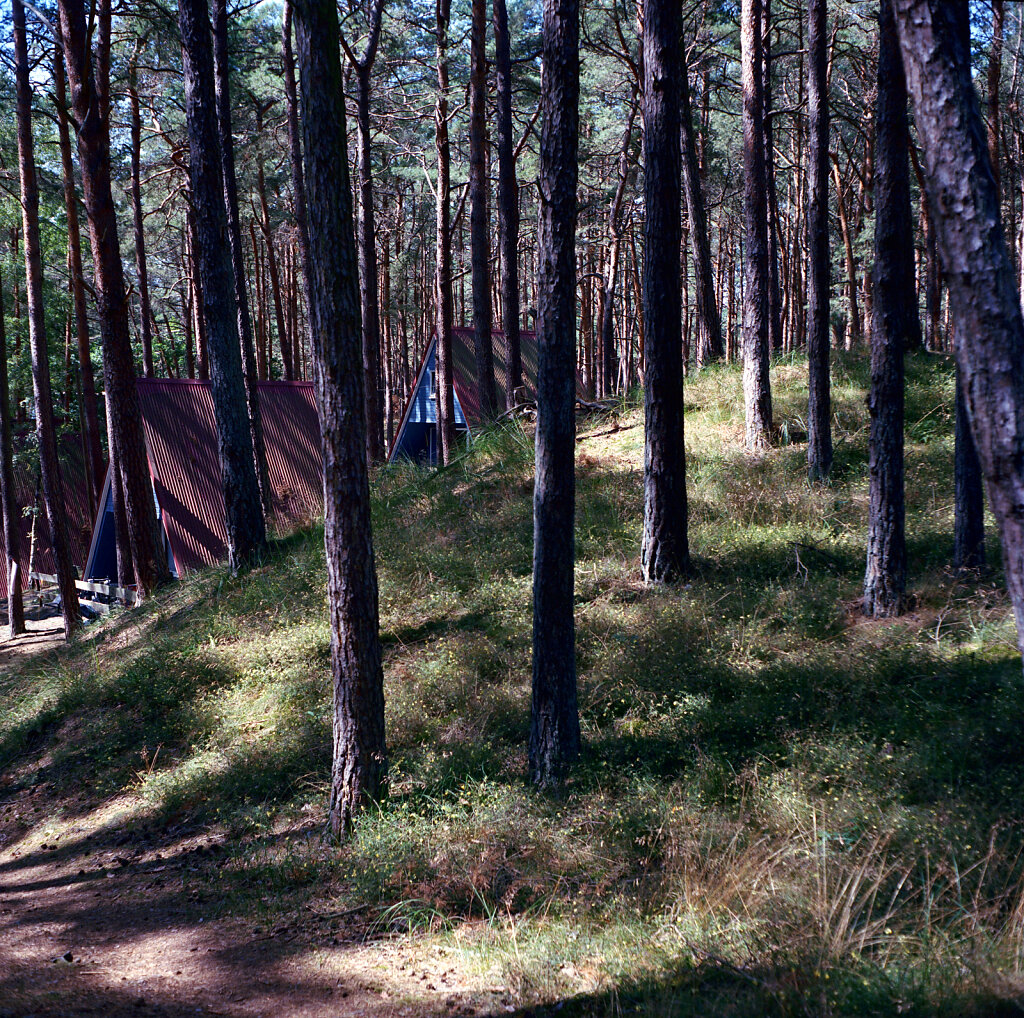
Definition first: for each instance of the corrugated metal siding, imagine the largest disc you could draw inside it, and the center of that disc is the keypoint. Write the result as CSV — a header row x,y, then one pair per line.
x,y
181,437
76,503
291,435
464,359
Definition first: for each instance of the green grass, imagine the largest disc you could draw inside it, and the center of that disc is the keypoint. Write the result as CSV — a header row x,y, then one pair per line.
x,y
781,808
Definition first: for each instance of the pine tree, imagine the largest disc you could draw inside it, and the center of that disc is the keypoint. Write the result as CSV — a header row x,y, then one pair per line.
x,y
359,770
664,550
554,723
246,529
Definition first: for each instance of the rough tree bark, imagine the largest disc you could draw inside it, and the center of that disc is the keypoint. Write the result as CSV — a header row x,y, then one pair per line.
x,y
368,297
479,217
508,202
819,407
554,723
123,415
360,764
892,325
757,396
443,259
227,162
246,529
49,466
8,502
982,289
664,554
195,279
968,493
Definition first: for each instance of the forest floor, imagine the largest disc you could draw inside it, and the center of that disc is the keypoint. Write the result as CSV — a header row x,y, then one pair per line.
x,y
782,808
44,627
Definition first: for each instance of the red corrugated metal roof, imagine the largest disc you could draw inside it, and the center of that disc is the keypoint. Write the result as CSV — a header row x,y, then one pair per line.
x,y
181,438
76,502
464,361
291,435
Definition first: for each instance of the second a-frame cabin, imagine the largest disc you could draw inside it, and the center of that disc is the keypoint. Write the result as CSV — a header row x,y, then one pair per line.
x,y
416,437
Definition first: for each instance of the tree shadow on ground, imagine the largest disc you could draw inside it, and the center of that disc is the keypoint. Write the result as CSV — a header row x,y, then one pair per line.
x,y
715,989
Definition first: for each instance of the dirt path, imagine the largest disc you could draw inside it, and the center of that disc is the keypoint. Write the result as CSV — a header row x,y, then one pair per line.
x,y
45,628
100,917
108,925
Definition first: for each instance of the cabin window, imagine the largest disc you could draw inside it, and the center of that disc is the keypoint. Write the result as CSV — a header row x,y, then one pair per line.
x,y
432,383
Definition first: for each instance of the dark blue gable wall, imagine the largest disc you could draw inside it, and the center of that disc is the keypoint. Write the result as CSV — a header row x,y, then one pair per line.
x,y
418,438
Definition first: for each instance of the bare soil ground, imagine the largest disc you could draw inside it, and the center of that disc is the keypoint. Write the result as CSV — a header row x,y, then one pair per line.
x,y
96,921
45,628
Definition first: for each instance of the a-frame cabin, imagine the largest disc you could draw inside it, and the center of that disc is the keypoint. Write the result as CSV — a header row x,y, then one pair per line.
x,y
416,437
181,445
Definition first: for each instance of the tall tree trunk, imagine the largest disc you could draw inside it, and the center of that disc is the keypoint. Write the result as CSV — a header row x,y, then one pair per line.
x,y
969,503
368,272
275,278
819,409
196,283
185,298
995,73
508,202
586,358
709,346
932,281
772,196
606,316
90,409
968,495
479,217
554,721
49,466
853,322
359,769
8,499
893,321
757,394
665,554
262,362
101,10
295,154
983,296
145,310
443,260
244,522
227,162
391,386
368,297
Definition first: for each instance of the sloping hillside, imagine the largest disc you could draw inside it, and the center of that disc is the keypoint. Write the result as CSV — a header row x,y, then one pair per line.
x,y
782,808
